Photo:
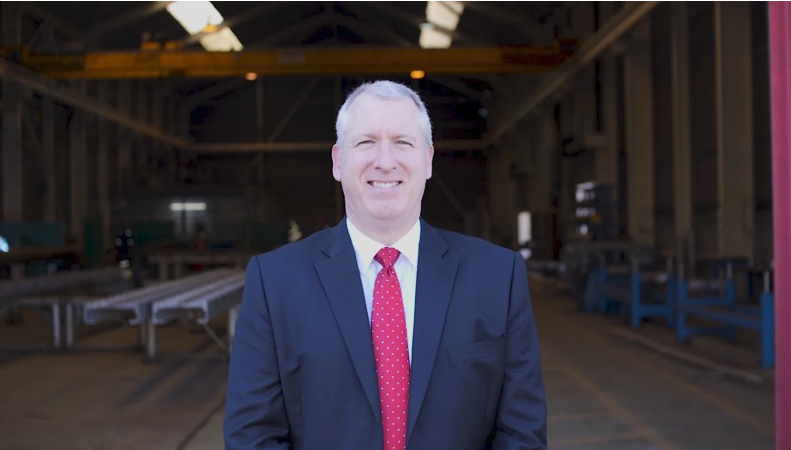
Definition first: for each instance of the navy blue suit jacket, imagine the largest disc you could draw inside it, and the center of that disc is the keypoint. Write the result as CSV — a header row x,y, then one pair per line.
x,y
302,373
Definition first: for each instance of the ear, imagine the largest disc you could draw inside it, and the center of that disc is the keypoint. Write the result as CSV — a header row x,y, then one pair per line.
x,y
336,162
430,159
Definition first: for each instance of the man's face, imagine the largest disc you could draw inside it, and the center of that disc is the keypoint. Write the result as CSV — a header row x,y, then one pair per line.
x,y
383,164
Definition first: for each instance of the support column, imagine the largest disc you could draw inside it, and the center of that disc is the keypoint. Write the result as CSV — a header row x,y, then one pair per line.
x,y
780,67
260,159
733,69
566,170
158,154
585,114
48,153
124,136
682,140
77,174
12,151
639,135
143,107
13,98
173,118
540,183
103,169
607,155
502,194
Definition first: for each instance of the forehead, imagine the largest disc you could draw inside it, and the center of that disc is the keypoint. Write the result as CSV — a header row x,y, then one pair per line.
x,y
368,111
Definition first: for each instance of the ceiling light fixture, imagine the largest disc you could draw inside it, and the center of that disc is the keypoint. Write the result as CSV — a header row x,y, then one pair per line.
x,y
203,17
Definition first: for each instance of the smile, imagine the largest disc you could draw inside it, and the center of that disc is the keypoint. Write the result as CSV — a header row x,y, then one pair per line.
x,y
383,185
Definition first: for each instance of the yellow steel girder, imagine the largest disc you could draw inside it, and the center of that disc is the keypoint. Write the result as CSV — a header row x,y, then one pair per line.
x,y
163,64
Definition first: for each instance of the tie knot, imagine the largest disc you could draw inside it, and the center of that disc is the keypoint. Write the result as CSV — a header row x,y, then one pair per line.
x,y
387,256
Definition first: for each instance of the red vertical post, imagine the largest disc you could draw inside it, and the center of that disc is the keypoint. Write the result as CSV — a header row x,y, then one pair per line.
x,y
780,69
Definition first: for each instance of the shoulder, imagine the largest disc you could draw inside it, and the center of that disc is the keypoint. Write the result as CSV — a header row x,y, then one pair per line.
x,y
476,250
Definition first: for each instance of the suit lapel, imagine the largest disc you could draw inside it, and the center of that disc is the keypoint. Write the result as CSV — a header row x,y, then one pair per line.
x,y
435,278
341,280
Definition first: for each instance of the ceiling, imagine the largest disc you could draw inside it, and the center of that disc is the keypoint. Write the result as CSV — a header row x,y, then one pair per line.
x,y
461,102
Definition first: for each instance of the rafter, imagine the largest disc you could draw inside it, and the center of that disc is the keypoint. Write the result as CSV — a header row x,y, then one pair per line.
x,y
538,33
416,21
123,19
517,106
293,110
458,86
75,98
380,27
226,86
238,19
35,10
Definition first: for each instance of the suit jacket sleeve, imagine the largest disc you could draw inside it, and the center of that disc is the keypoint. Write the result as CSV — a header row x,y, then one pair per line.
x,y
522,415
255,416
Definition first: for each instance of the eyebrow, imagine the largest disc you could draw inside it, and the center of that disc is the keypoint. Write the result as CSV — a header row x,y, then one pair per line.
x,y
373,136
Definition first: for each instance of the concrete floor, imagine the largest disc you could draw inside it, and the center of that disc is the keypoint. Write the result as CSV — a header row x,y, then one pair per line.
x,y
602,394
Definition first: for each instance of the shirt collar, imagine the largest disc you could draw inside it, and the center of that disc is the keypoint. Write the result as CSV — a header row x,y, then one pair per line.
x,y
366,248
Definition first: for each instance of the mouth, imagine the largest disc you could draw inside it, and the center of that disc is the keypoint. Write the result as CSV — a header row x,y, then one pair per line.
x,y
384,184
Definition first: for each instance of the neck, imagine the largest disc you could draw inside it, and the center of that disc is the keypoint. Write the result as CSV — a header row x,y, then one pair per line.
x,y
387,233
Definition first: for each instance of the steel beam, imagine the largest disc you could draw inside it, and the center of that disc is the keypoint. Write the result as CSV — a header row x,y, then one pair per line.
x,y
328,61
521,105
381,28
127,17
238,19
305,26
52,88
51,19
780,66
449,195
397,13
293,109
526,25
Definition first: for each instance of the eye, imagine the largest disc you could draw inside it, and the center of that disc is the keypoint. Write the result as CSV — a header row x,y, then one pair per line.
x,y
403,143
368,141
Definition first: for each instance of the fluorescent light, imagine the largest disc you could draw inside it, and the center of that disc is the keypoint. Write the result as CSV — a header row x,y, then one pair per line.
x,y
198,17
195,16
196,206
442,14
431,38
221,41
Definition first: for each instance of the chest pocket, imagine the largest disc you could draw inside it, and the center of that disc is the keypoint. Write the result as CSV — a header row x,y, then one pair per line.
x,y
474,351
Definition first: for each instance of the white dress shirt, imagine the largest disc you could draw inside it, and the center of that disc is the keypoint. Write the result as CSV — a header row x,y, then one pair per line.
x,y
405,266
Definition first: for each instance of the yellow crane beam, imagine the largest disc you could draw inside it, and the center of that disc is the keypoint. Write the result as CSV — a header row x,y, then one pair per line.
x,y
347,61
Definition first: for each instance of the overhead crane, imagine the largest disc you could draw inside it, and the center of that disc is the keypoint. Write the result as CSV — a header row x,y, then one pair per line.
x,y
297,61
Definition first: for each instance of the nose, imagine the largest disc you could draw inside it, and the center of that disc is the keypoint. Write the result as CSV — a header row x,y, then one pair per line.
x,y
385,156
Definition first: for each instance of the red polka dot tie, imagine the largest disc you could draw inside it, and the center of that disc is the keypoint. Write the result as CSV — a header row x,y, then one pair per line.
x,y
391,351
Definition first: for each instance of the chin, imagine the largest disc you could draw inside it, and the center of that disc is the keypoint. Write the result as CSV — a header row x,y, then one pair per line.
x,y
387,212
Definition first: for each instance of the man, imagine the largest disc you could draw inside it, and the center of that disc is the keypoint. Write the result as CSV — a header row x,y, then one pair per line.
x,y
384,332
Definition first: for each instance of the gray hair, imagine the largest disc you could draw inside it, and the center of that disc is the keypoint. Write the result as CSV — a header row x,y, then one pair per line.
x,y
385,90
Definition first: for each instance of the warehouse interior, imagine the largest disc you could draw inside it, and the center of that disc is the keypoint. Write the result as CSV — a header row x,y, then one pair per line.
x,y
626,149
